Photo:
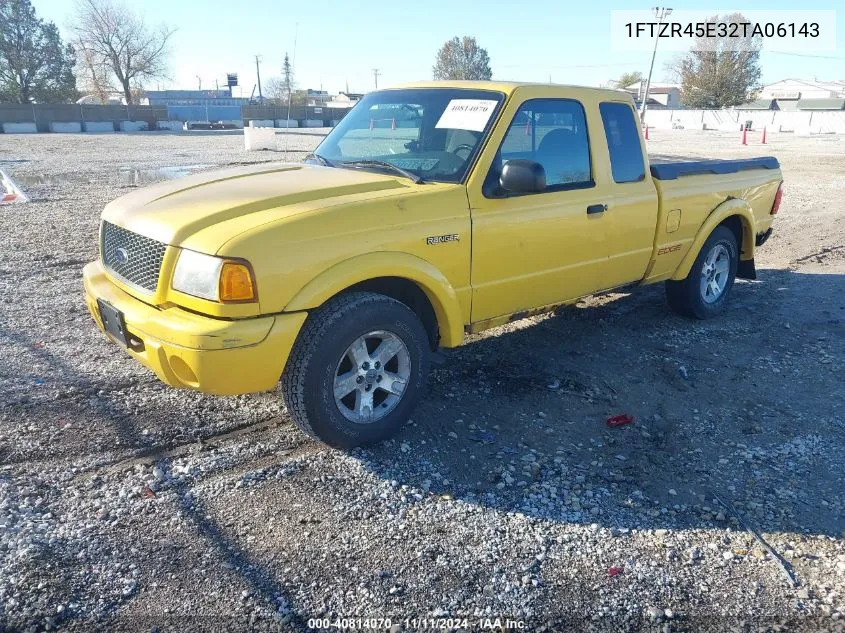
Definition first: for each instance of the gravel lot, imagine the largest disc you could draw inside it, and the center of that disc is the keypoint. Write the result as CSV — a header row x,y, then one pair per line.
x,y
126,505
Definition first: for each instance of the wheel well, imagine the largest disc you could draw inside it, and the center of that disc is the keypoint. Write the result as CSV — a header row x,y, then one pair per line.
x,y
409,293
734,223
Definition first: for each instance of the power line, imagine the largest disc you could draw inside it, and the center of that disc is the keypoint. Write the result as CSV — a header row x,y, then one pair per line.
x,y
616,65
803,55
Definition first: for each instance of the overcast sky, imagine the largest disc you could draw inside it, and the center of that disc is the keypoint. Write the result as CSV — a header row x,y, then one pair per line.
x,y
336,43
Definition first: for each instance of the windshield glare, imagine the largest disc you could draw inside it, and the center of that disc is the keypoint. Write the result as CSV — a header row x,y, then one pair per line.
x,y
431,132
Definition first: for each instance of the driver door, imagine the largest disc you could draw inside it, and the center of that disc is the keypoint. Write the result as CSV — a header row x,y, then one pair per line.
x,y
539,249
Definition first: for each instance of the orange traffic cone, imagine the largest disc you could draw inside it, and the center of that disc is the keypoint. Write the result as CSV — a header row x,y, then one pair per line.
x,y
763,141
393,123
646,132
744,135
372,124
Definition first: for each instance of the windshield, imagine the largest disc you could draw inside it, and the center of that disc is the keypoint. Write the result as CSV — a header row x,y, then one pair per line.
x,y
433,133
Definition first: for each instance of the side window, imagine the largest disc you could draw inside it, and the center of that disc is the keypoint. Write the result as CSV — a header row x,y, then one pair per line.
x,y
552,132
623,141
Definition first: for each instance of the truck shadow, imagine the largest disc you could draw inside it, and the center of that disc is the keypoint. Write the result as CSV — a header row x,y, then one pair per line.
x,y
746,406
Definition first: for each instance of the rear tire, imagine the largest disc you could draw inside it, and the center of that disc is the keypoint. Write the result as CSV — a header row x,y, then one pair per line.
x,y
357,370
705,290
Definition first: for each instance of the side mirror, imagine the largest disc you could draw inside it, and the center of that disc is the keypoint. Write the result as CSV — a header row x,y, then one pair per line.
x,y
523,176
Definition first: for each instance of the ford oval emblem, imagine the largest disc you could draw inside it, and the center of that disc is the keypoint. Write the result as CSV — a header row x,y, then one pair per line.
x,y
121,256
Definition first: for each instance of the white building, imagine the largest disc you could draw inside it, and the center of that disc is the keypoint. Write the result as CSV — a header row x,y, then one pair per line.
x,y
344,100
801,94
787,89
667,95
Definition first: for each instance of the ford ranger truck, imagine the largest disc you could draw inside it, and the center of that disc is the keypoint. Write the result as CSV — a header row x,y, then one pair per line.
x,y
431,211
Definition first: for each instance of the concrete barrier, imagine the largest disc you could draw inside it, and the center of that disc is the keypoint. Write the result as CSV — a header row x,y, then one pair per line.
x,y
98,126
20,128
134,126
67,127
215,125
172,126
261,123
313,123
287,123
257,138
807,129
238,123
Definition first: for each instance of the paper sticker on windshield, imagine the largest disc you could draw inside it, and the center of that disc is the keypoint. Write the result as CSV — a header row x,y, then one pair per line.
x,y
426,164
467,114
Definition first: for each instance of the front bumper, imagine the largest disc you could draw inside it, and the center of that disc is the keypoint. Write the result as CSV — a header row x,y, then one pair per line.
x,y
191,351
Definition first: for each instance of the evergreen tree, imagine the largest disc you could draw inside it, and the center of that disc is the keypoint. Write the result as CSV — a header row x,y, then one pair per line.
x,y
35,65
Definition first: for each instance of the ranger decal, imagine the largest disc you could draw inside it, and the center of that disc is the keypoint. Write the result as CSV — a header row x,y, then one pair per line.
x,y
431,240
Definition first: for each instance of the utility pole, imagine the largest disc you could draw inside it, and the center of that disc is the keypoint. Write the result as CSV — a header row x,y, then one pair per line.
x,y
376,73
199,82
661,13
258,74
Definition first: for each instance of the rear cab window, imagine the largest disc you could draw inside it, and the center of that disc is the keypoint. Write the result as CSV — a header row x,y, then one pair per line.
x,y
553,133
623,142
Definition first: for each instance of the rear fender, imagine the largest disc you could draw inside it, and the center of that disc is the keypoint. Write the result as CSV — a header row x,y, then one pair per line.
x,y
352,271
734,206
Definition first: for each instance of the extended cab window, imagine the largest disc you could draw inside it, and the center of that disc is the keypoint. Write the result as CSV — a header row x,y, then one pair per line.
x,y
553,133
623,141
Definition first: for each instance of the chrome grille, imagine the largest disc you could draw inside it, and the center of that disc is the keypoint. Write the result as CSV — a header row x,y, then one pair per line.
x,y
133,258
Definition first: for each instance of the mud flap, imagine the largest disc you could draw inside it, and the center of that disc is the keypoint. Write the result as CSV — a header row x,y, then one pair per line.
x,y
745,269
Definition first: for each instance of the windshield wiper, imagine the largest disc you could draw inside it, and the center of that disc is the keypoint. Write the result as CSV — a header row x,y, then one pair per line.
x,y
320,159
383,164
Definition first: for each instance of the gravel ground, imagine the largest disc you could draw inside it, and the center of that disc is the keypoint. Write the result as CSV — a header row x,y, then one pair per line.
x,y
126,505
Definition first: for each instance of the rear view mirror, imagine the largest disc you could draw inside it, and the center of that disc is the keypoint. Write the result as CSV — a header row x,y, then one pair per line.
x,y
523,176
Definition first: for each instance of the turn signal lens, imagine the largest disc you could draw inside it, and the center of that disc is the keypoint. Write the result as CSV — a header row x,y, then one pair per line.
x,y
236,282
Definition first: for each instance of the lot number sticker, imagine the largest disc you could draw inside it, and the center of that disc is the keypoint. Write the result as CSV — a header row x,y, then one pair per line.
x,y
467,114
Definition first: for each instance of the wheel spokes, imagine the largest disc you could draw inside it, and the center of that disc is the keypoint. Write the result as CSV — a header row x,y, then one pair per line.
x,y
364,404
364,390
393,383
714,288
358,353
345,384
386,350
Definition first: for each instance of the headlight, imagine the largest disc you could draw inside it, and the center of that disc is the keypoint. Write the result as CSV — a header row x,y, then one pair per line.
x,y
213,278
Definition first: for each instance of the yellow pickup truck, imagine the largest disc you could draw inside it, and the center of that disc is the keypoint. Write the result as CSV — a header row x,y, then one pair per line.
x,y
432,210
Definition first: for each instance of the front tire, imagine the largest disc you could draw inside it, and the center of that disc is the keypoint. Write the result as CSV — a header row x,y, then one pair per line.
x,y
705,290
357,370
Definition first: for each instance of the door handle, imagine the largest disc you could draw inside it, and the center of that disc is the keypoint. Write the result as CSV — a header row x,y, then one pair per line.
x,y
596,208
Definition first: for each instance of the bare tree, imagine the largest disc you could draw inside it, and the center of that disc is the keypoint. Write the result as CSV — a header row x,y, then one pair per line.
x,y
93,76
462,59
274,90
120,40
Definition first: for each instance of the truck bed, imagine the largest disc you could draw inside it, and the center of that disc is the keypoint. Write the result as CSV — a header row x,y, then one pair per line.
x,y
688,191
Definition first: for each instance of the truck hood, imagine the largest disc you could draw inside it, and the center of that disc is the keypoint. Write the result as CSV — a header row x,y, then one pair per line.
x,y
173,210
